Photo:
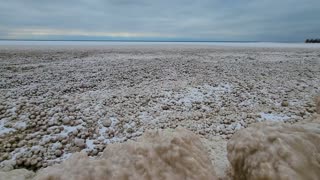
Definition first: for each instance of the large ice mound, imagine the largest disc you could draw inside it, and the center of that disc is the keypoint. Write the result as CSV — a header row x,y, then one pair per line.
x,y
16,174
170,154
276,151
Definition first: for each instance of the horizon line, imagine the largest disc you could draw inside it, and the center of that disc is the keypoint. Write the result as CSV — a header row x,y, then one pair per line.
x,y
119,40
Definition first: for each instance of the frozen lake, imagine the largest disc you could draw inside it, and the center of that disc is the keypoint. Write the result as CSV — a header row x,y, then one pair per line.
x,y
119,43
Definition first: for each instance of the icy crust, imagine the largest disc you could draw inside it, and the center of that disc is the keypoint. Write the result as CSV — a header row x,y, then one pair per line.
x,y
276,151
166,154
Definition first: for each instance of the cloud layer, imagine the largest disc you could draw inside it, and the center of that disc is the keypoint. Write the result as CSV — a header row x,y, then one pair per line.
x,y
242,20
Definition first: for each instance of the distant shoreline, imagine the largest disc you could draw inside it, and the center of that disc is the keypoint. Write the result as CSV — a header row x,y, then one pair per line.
x,y
209,44
152,41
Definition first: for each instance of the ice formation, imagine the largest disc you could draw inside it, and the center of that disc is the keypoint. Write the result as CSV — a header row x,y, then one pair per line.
x,y
170,154
16,174
276,151
263,151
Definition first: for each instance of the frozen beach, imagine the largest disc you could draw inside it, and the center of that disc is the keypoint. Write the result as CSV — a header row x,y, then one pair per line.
x,y
57,100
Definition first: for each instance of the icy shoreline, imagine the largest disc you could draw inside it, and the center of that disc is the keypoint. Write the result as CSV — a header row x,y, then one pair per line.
x,y
55,102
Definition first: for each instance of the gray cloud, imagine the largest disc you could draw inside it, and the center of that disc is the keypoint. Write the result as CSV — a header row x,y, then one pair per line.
x,y
263,20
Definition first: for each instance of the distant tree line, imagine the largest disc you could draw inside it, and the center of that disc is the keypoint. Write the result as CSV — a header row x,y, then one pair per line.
x,y
312,41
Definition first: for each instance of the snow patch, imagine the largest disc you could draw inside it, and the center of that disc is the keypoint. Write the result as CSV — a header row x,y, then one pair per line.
x,y
3,129
198,94
89,143
20,125
273,117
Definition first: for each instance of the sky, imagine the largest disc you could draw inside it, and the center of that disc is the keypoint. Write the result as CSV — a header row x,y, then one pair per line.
x,y
160,20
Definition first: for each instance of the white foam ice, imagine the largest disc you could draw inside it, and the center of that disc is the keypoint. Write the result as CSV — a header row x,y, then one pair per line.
x,y
90,144
55,145
64,133
237,126
68,129
3,129
37,147
102,129
18,151
20,125
273,117
202,93
145,117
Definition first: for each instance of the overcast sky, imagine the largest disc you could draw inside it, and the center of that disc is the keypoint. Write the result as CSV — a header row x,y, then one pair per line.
x,y
221,20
